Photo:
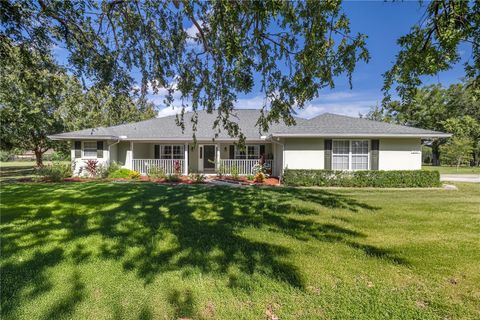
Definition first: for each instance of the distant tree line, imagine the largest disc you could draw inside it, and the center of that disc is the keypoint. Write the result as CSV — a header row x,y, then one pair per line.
x,y
455,109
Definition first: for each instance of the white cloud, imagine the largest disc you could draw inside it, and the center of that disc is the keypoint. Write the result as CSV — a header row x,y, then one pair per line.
x,y
347,108
171,111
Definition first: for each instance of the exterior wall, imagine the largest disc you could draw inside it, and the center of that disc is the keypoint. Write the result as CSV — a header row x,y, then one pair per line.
x,y
304,153
400,154
79,164
113,152
122,151
143,150
193,158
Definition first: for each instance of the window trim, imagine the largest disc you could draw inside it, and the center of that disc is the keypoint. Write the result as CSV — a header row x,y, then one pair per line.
x,y
160,153
256,154
350,154
83,150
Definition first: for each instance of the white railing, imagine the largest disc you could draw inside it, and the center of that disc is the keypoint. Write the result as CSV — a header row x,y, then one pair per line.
x,y
168,165
243,166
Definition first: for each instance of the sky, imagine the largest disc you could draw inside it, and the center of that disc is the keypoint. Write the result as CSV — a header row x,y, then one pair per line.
x,y
383,23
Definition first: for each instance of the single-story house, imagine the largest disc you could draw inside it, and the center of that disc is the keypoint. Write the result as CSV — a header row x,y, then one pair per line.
x,y
328,141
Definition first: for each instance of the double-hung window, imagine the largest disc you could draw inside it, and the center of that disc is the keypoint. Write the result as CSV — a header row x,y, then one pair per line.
x,y
250,152
350,155
90,149
168,151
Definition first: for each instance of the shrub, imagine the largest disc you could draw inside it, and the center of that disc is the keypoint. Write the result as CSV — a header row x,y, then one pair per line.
x,y
378,179
250,177
197,177
177,167
55,172
259,177
235,172
156,172
91,166
172,178
114,166
124,173
6,155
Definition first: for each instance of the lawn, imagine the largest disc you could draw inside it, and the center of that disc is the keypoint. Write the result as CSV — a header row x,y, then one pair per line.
x,y
147,251
453,170
13,171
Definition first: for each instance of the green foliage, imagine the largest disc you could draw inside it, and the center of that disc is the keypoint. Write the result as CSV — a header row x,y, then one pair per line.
x,y
197,177
232,42
235,172
378,179
6,155
124,173
54,172
173,178
250,177
260,177
434,45
457,151
156,172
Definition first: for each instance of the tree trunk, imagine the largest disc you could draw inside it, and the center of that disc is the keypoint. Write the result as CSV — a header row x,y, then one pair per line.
x,y
39,157
435,153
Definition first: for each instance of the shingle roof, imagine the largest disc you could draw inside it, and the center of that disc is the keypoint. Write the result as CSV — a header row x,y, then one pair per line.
x,y
324,125
329,124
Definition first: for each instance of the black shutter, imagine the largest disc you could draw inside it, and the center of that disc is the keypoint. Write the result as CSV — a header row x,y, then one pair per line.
x,y
78,149
231,152
156,151
262,150
328,155
374,153
99,149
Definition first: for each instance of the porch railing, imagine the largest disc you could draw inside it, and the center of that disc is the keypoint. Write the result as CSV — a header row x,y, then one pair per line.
x,y
170,166
243,166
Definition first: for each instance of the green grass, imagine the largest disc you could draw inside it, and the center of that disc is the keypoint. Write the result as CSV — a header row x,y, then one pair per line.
x,y
14,171
452,170
147,251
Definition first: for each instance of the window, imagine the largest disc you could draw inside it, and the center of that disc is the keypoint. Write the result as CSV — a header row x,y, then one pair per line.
x,y
171,151
359,155
90,149
350,155
250,152
340,154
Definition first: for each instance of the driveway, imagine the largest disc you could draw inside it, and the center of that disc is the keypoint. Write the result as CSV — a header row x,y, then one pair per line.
x,y
460,177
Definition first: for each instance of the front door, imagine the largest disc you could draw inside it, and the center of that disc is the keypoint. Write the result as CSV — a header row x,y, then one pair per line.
x,y
208,157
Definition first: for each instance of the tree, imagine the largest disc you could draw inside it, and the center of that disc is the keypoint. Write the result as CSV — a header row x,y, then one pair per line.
x,y
377,113
468,129
207,51
434,45
457,151
434,107
31,91
38,98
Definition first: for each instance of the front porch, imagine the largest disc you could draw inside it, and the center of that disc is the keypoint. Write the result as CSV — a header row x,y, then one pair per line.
x,y
206,158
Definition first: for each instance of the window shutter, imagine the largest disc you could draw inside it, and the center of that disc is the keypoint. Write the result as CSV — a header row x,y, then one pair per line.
x,y
156,151
78,149
262,150
374,154
99,149
328,155
231,152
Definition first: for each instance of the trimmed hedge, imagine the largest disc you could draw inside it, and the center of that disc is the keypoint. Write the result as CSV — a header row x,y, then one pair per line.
x,y
374,178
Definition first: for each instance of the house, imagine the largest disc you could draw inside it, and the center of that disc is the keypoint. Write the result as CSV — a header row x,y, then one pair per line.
x,y
328,141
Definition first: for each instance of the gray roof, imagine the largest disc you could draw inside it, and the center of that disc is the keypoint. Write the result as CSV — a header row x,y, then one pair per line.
x,y
165,128
334,125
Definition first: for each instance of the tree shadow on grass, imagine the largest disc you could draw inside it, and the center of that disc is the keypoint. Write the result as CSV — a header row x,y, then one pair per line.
x,y
152,229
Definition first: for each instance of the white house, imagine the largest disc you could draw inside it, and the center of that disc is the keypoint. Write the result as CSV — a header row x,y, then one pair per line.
x,y
328,141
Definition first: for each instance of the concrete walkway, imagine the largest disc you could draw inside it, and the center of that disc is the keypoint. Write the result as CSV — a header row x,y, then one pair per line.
x,y
461,177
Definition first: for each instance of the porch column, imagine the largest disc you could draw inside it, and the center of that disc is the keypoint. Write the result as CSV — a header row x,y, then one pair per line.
x,y
129,157
217,157
185,160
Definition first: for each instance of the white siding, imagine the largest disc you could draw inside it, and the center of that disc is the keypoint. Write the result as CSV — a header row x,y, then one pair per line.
x,y
400,154
305,153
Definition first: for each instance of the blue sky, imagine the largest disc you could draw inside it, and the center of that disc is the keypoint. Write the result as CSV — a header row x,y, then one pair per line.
x,y
383,23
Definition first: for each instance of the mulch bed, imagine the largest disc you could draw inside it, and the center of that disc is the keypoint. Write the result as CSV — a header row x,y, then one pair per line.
x,y
244,181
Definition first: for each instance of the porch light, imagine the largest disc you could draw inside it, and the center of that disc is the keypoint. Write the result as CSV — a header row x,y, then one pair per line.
x,y
123,137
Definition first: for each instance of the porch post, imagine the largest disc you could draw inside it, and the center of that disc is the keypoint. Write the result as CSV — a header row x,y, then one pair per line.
x,y
185,160
217,157
129,157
